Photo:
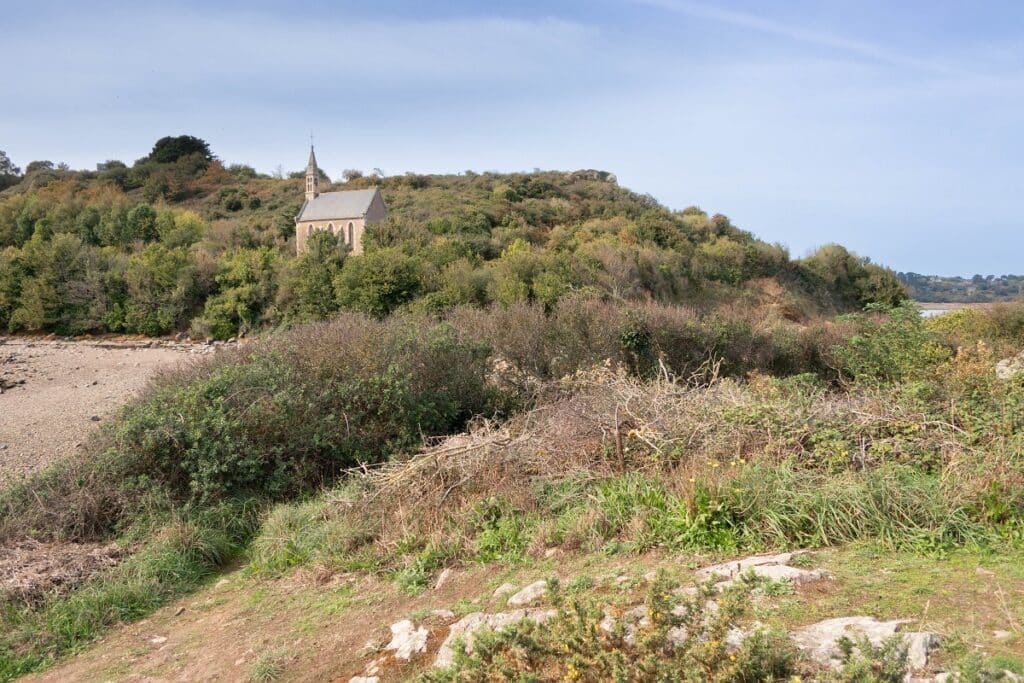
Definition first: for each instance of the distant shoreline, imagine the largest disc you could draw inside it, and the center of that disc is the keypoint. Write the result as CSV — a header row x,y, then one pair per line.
x,y
952,306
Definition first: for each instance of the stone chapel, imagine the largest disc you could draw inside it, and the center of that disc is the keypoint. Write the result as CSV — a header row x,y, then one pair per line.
x,y
345,213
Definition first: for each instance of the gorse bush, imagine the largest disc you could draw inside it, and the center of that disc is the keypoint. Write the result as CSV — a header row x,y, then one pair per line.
x,y
684,639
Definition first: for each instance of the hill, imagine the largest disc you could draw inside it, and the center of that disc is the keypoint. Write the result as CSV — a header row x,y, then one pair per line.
x,y
979,289
181,241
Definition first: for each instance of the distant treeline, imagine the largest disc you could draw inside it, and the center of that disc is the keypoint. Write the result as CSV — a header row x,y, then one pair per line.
x,y
979,289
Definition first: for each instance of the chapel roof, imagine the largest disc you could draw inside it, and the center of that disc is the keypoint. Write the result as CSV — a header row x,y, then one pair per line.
x,y
331,205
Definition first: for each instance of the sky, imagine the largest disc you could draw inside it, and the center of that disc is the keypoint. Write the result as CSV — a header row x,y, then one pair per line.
x,y
894,128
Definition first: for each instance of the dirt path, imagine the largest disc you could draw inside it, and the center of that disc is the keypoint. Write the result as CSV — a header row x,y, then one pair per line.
x,y
53,394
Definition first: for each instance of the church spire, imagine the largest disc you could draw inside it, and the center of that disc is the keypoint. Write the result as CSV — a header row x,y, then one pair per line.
x,y
312,177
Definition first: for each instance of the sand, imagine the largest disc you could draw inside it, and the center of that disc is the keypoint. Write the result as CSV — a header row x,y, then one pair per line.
x,y
56,392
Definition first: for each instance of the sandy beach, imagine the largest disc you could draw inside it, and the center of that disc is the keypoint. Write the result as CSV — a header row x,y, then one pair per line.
x,y
55,393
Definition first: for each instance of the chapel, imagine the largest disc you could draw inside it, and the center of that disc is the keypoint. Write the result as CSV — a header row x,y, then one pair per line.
x,y
345,213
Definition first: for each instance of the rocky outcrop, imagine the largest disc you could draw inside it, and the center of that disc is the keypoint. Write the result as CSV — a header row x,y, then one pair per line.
x,y
1009,368
820,641
407,640
773,567
530,595
469,625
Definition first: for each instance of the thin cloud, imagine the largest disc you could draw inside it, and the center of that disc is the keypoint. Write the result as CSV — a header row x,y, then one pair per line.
x,y
874,52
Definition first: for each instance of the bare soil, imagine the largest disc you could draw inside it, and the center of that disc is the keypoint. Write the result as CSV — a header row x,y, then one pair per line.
x,y
318,626
30,570
55,393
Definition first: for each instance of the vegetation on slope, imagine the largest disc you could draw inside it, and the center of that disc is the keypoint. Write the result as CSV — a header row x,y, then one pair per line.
x,y
876,431
180,241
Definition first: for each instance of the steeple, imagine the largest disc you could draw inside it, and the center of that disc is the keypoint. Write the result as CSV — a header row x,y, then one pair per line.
x,y
312,177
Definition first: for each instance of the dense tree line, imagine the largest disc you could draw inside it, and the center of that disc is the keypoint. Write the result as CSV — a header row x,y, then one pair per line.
x,y
179,241
977,289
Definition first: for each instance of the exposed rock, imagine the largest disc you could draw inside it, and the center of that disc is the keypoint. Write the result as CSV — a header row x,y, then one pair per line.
x,y
158,640
821,640
504,589
530,595
728,570
443,577
1010,367
919,645
406,639
442,614
773,567
364,679
466,627
1002,635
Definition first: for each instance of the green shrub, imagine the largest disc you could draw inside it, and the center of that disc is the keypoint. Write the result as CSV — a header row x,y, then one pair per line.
x,y
893,346
684,641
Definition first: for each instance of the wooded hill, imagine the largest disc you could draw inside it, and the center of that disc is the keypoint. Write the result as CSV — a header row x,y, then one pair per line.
x,y
980,289
180,240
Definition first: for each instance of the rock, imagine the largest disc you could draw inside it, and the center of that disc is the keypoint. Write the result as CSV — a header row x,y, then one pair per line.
x,y
158,640
821,640
466,627
919,646
1002,635
1009,368
364,679
945,677
407,640
442,614
504,589
981,571
774,567
442,578
530,595
727,570
95,418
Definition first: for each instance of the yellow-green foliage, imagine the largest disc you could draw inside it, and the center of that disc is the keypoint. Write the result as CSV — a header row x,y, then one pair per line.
x,y
227,267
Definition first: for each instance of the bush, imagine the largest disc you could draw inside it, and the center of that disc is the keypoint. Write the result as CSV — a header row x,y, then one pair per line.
x,y
276,420
686,639
894,345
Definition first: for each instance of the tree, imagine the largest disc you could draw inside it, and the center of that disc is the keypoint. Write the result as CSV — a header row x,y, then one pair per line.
x,y
308,290
34,166
9,173
169,149
378,282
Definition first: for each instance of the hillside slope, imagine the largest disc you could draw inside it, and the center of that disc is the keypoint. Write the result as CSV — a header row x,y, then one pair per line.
x,y
180,241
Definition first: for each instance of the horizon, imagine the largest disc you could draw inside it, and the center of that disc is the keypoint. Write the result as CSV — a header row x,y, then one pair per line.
x,y
888,130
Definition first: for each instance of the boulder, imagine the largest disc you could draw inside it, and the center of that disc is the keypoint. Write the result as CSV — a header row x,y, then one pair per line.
x,y
821,640
504,589
407,640
774,567
470,624
1009,368
530,595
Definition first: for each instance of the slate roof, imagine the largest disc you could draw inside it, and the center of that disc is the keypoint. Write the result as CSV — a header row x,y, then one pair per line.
x,y
330,205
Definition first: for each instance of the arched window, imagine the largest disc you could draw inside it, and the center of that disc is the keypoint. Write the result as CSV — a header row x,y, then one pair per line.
x,y
330,226
309,231
351,243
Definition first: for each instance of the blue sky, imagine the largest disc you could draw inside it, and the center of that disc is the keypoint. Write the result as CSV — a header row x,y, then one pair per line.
x,y
891,127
